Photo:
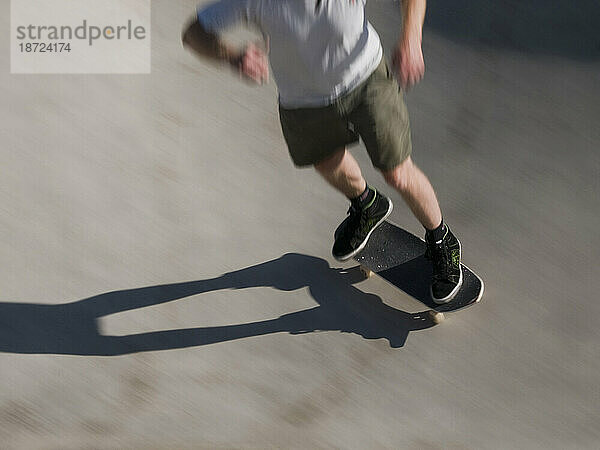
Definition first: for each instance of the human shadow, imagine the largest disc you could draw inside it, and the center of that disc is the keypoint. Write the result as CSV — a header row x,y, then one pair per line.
x,y
72,328
556,27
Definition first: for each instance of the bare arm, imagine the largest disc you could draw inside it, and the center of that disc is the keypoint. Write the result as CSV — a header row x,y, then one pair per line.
x,y
251,62
208,45
413,16
408,55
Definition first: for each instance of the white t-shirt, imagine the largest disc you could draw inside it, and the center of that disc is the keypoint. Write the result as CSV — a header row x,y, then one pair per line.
x,y
316,53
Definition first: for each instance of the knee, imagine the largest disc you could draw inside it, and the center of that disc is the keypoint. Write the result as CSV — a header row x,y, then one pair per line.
x,y
400,176
331,163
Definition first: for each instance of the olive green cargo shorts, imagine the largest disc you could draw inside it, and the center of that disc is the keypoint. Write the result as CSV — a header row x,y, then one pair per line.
x,y
374,110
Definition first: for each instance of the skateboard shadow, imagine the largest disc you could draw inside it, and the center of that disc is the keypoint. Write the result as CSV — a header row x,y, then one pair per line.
x,y
72,328
413,277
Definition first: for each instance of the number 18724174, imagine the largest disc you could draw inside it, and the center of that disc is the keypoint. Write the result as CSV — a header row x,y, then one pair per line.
x,y
43,47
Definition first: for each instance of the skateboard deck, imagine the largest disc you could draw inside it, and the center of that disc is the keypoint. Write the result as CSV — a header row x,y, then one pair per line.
x,y
398,256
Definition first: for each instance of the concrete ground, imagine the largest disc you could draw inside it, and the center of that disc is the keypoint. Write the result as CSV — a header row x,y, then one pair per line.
x,y
167,279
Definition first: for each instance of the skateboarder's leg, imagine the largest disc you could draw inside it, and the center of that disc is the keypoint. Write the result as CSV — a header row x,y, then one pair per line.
x,y
443,247
368,207
342,172
318,137
382,121
417,192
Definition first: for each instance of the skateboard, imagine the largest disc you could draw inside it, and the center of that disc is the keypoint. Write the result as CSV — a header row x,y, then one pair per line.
x,y
398,257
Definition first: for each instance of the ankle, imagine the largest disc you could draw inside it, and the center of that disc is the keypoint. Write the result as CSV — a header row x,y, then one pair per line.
x,y
437,234
365,199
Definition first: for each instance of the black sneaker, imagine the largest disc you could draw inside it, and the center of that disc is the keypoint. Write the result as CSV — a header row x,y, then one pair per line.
x,y
447,274
354,232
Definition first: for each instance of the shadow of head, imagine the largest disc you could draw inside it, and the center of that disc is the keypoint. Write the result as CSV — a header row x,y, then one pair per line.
x,y
290,272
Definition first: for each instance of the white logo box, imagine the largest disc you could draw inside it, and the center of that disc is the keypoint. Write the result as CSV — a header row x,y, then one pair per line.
x,y
80,36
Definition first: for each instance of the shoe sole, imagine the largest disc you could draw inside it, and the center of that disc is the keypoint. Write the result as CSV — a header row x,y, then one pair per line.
x,y
452,294
364,243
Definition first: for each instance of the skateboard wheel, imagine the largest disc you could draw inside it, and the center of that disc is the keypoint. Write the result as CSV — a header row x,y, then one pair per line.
x,y
436,317
368,273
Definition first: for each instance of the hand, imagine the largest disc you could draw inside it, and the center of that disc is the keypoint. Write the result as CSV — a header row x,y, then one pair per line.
x,y
407,62
253,64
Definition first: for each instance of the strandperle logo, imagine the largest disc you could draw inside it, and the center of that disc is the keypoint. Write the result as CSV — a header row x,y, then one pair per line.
x,y
84,32
80,36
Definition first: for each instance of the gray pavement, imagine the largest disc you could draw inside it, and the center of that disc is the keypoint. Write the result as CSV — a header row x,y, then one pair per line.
x,y
180,179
